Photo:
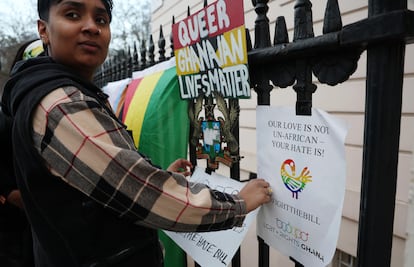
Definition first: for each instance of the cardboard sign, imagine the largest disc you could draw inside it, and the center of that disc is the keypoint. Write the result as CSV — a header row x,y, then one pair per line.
x,y
214,249
303,158
211,52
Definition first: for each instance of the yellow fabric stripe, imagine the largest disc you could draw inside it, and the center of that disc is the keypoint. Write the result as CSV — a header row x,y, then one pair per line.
x,y
136,112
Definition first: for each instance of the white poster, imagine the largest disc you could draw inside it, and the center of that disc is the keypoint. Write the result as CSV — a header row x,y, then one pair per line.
x,y
303,158
214,249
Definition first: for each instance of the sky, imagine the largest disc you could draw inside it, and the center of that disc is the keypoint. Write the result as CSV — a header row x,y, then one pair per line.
x,y
11,7
6,5
19,9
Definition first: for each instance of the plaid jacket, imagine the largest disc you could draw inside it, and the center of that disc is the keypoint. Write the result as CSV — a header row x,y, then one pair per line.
x,y
92,152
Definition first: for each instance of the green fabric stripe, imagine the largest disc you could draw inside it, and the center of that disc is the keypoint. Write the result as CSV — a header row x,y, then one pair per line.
x,y
164,135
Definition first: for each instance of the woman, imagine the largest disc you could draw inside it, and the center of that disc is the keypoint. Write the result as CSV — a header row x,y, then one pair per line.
x,y
91,199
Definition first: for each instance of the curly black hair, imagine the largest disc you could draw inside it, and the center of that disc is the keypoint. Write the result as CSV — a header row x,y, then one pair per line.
x,y
43,7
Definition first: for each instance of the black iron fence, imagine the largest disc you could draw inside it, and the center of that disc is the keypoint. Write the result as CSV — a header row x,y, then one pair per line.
x,y
331,57
138,57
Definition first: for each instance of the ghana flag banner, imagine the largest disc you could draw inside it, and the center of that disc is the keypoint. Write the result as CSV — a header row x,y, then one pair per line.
x,y
155,113
152,109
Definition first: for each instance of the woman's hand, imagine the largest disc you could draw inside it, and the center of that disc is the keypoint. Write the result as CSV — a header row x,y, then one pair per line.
x,y
181,166
15,198
255,193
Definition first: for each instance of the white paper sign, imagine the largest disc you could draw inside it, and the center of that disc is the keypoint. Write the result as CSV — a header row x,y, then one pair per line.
x,y
303,158
214,249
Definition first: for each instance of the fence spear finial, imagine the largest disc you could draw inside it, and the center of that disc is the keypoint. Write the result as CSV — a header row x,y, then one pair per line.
x,y
303,20
161,46
172,39
261,28
151,49
281,34
143,55
332,21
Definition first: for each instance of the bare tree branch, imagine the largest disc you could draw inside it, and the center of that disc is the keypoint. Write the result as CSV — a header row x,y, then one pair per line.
x,y
131,24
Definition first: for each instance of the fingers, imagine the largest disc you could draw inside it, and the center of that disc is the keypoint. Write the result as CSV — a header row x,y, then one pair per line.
x,y
261,182
185,172
187,164
185,167
267,194
268,191
266,186
181,166
256,193
183,163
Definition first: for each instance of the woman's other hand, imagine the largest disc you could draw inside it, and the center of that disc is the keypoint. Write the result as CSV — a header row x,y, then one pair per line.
x,y
181,166
15,198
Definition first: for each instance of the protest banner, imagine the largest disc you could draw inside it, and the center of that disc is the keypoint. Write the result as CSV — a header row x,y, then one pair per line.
x,y
211,51
303,158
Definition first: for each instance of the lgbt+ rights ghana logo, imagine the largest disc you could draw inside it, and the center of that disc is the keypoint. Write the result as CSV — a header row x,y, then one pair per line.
x,y
294,183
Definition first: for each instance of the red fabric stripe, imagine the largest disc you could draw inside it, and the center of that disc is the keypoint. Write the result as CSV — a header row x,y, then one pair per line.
x,y
130,91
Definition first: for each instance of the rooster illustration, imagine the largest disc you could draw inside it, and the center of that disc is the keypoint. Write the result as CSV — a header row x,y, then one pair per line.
x,y
294,184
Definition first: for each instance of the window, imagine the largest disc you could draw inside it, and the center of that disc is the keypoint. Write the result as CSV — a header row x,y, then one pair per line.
x,y
343,259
